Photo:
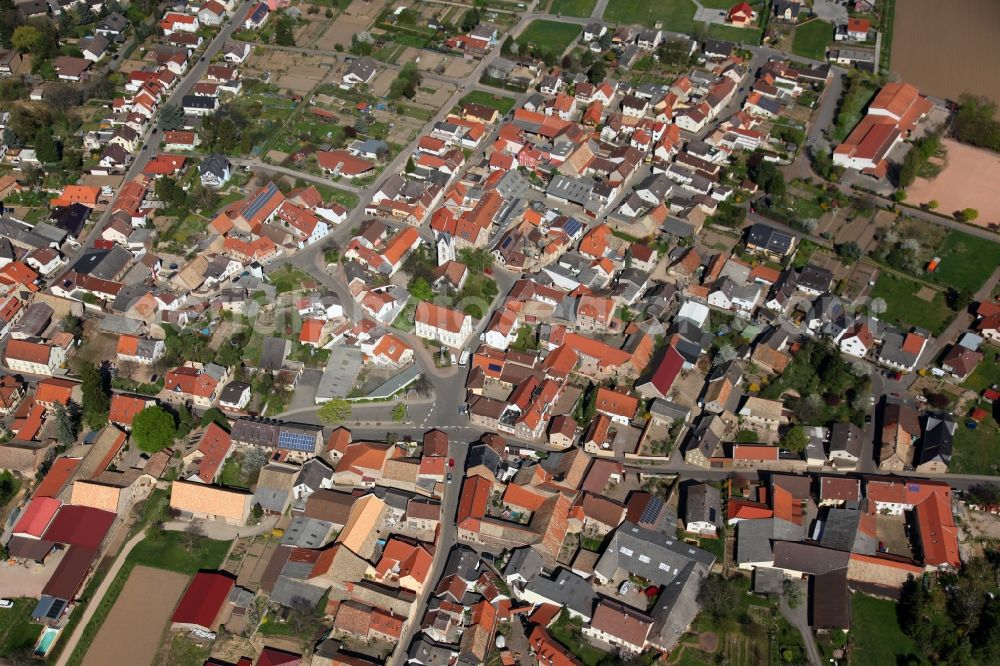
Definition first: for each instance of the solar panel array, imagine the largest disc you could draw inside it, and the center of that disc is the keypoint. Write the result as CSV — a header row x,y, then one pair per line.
x,y
259,201
651,511
296,441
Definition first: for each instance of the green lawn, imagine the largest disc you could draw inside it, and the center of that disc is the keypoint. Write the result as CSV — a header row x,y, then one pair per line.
x,y
676,15
288,279
976,451
568,633
876,635
731,33
550,34
966,261
500,103
811,39
986,373
580,8
17,632
904,308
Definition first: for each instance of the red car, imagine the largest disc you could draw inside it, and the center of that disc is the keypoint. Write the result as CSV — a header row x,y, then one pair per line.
x,y
451,462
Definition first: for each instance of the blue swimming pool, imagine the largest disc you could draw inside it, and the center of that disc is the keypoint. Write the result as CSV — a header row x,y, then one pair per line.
x,y
46,640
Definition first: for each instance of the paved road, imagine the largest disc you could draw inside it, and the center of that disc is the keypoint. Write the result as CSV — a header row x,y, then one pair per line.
x,y
447,537
258,165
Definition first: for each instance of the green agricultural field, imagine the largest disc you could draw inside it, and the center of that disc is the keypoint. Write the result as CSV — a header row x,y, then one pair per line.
x,y
966,261
811,39
500,103
553,34
676,15
876,636
906,308
579,8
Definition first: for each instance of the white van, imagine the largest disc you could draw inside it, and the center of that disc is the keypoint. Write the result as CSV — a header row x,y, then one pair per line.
x,y
464,358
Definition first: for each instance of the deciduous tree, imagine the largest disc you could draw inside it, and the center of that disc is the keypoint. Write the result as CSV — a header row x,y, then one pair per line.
x,y
153,429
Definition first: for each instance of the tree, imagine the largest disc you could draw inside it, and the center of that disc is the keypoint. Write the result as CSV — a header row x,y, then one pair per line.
x,y
793,593
598,71
214,415
96,391
192,535
849,250
335,411
28,39
153,429
933,204
975,122
67,423
477,259
796,440
171,117
968,214
360,47
877,306
471,19
958,299
725,354
718,598
399,412
421,290
283,33
9,485
46,148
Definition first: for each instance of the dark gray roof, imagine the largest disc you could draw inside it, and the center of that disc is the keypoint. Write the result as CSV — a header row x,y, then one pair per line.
x,y
652,555
669,410
830,601
481,454
565,588
755,538
524,561
313,473
768,581
774,240
307,532
936,444
463,562
846,437
815,277
704,504
808,558
232,391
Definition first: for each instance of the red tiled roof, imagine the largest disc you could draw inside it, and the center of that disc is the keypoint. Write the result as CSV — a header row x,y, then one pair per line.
x,y
58,476
203,599
214,444
82,526
37,516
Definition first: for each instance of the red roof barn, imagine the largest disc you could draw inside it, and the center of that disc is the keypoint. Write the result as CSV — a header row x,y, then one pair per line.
x,y
202,601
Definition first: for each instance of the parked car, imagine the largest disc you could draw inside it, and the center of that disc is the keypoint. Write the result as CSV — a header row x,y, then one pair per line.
x,y
6,603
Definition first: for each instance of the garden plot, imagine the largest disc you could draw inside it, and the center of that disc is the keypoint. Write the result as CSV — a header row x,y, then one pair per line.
x,y
356,18
150,594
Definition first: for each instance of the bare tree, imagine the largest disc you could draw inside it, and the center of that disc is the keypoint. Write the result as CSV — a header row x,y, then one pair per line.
x,y
192,534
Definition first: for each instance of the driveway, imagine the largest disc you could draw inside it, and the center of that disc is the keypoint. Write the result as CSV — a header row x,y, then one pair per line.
x,y
830,10
799,617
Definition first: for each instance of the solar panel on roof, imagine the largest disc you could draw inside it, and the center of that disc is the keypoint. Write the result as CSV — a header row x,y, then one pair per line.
x,y
296,441
258,203
651,511
56,609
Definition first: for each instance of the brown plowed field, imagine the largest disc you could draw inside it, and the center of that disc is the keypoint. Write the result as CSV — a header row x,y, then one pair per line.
x,y
947,48
135,624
